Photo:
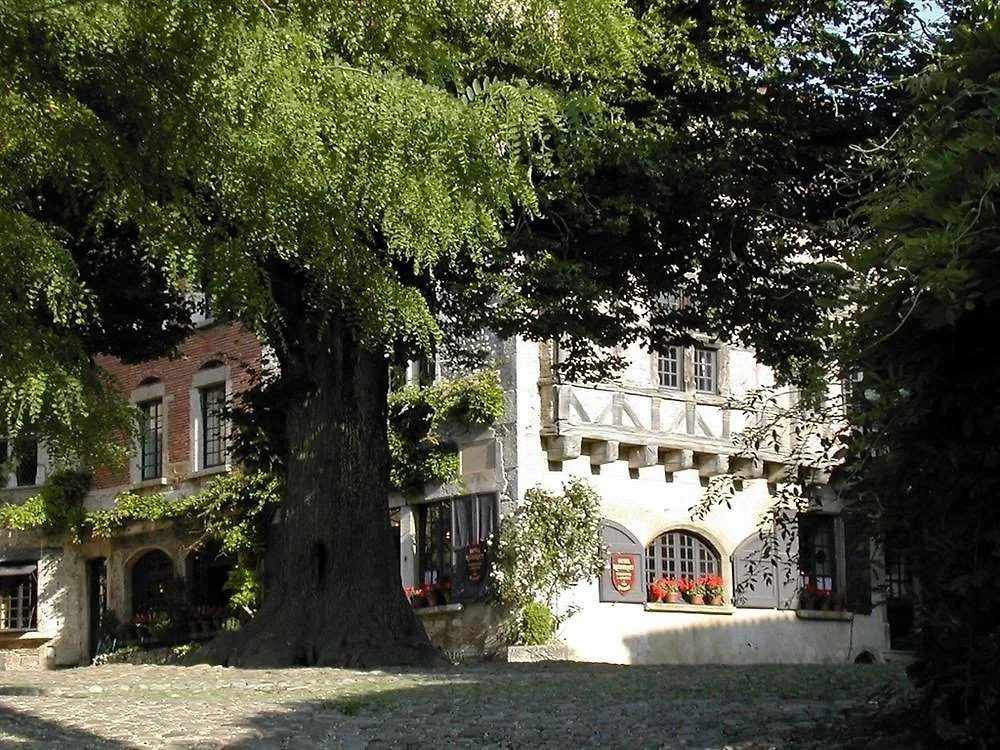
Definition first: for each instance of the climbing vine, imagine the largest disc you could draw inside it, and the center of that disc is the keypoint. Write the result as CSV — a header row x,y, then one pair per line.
x,y
57,505
418,415
234,508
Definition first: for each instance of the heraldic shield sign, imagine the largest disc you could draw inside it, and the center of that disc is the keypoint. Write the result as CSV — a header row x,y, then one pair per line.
x,y
623,569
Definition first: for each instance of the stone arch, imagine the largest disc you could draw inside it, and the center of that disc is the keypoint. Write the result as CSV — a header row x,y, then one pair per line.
x,y
869,656
212,363
151,581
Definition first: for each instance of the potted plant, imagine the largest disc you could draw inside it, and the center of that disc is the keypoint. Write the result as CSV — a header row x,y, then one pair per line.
x,y
417,596
438,594
671,589
714,587
693,590
807,597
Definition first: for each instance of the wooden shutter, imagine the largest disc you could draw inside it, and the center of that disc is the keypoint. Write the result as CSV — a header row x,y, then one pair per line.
x,y
622,547
764,572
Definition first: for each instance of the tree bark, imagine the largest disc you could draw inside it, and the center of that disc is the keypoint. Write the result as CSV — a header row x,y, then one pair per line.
x,y
333,595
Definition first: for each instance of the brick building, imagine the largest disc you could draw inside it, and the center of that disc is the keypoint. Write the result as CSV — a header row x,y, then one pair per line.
x,y
55,592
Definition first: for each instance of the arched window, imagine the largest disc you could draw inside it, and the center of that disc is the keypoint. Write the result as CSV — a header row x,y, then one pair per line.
x,y
680,554
152,577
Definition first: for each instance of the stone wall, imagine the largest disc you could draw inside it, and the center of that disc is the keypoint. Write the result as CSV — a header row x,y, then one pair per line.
x,y
462,631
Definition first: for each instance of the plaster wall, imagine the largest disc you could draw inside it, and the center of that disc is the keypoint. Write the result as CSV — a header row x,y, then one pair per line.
x,y
649,501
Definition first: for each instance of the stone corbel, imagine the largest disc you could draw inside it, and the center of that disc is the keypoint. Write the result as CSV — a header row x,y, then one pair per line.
x,y
642,456
712,464
746,468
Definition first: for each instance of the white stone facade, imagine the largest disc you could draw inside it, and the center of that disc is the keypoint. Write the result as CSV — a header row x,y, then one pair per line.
x,y
649,451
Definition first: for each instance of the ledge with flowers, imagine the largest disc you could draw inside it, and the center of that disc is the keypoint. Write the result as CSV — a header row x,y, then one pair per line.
x,y
822,604
703,594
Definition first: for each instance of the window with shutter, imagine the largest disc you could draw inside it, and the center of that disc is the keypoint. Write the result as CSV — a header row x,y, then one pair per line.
x,y
622,579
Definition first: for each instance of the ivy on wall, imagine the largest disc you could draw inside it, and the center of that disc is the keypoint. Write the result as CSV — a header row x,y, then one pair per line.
x,y
419,414
58,505
234,508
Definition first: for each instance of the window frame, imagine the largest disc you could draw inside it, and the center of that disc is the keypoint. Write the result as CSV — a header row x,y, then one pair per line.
x,y
700,369
664,556
213,449
12,453
671,359
25,580
151,473
830,576
214,376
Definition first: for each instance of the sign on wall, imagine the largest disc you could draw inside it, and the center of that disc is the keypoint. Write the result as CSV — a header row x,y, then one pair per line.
x,y
622,579
623,572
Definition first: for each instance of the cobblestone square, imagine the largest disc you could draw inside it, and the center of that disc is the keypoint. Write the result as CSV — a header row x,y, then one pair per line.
x,y
554,705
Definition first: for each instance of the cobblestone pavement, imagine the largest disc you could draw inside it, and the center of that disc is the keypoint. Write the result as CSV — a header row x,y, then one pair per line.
x,y
555,705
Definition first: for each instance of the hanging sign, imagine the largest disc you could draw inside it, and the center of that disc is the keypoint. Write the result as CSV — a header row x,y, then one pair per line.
x,y
475,562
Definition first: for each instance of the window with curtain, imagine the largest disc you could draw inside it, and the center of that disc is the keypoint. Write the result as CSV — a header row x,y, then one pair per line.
x,y
446,531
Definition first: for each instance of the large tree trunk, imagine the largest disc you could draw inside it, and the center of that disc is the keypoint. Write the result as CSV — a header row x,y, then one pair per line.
x,y
332,587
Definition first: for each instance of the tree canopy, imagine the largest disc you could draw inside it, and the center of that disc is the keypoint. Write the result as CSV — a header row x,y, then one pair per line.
x,y
924,441
352,181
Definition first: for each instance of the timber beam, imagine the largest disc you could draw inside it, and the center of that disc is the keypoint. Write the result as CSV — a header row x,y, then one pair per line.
x,y
563,448
604,452
642,456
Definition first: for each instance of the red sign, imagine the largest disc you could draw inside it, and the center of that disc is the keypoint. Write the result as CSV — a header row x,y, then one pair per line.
x,y
475,562
623,568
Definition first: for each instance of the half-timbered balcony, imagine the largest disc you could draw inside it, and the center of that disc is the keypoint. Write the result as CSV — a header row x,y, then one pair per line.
x,y
648,427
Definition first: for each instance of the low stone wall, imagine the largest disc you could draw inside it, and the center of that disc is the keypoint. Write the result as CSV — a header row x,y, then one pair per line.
x,y
463,631
23,654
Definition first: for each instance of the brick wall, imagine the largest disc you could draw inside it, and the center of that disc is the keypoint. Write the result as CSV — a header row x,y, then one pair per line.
x,y
228,343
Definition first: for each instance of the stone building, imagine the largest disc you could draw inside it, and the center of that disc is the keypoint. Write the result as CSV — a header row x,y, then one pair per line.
x,y
55,594
649,444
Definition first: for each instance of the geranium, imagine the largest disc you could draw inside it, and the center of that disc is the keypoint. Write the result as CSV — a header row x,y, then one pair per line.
x,y
713,585
691,587
669,585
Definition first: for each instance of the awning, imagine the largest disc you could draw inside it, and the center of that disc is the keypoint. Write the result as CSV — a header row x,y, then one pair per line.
x,y
18,570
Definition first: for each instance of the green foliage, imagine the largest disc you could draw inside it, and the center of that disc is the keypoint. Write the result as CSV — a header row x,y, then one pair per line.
x,y
549,543
298,165
234,510
417,416
57,505
246,589
925,443
535,625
